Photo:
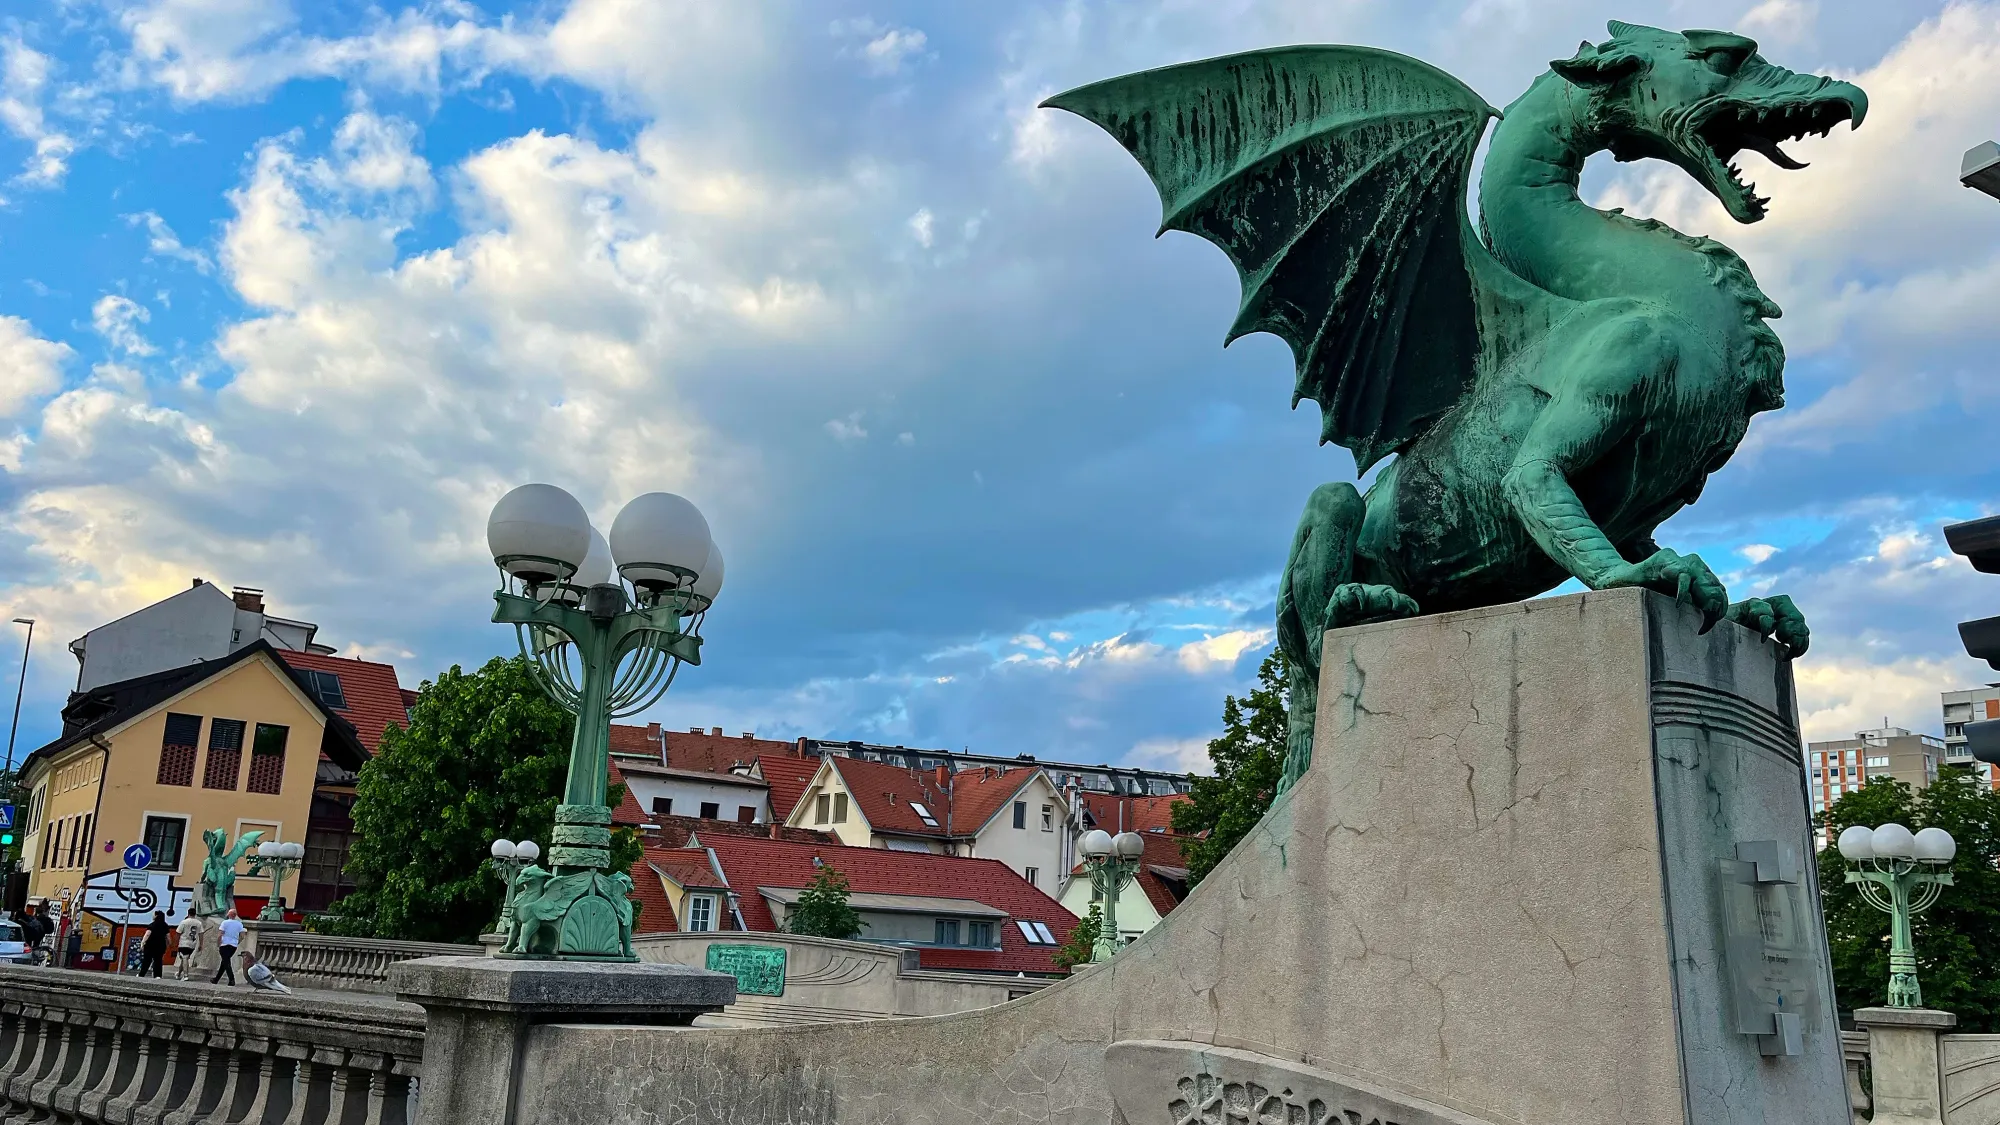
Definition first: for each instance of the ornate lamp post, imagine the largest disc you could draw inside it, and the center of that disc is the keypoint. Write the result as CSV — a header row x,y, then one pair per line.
x,y
276,860
1111,862
603,646
1902,875
509,857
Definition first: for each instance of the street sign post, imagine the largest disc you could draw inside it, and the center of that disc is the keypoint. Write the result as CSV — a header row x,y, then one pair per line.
x,y
131,877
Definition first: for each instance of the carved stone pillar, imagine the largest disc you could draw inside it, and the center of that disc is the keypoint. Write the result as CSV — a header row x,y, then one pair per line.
x,y
1903,1062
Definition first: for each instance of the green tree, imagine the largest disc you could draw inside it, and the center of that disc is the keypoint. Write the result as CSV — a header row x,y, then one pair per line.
x,y
823,911
484,757
1248,759
1075,950
1955,938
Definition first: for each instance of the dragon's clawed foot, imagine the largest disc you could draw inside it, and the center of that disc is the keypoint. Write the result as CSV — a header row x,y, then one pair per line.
x,y
1358,603
1683,577
1775,617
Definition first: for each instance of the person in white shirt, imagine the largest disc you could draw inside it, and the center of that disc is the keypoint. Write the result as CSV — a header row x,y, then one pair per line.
x,y
189,932
230,936
260,975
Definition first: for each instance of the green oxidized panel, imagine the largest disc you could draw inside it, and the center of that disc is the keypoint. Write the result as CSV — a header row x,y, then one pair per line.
x,y
759,969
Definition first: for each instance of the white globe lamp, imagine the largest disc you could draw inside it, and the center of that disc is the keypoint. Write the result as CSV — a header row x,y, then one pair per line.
x,y
528,850
503,849
660,541
538,533
1893,841
267,850
295,850
1128,845
708,583
1935,845
1096,843
1857,843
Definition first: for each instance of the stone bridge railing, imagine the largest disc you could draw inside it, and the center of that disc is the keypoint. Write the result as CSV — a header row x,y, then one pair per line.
x,y
103,1050
346,964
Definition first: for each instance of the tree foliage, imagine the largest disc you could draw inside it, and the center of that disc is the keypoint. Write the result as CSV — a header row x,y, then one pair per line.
x,y
1075,950
1956,937
1248,759
823,911
484,757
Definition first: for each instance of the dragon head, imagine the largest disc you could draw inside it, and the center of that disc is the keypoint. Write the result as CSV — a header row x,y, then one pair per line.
x,y
1697,98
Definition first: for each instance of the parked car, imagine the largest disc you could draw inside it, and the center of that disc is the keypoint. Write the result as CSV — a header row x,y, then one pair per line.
x,y
13,946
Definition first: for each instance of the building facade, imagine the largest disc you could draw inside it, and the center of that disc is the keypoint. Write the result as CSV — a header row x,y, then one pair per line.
x,y
233,743
198,624
1969,706
1841,766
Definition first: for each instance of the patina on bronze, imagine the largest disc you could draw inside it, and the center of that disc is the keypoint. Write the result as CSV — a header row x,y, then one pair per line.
x,y
1554,384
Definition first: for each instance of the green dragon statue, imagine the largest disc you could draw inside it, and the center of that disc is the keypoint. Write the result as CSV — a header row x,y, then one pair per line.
x,y
1553,385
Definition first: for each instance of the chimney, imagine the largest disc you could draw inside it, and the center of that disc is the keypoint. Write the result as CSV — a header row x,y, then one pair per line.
x,y
248,599
774,829
197,584
943,775
715,732
749,734
799,751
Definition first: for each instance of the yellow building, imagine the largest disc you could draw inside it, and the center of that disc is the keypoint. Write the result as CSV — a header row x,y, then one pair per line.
x,y
232,743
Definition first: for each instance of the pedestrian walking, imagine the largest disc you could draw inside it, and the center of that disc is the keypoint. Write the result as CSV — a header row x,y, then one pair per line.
x,y
153,951
230,934
190,941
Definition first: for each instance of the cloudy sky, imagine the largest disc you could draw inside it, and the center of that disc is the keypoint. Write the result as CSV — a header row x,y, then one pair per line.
x,y
290,293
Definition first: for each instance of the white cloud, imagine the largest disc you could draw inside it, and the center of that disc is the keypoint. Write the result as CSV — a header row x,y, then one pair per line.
x,y
848,429
1840,696
1181,755
117,319
1221,652
1757,553
30,366
161,240
24,78
887,52
920,225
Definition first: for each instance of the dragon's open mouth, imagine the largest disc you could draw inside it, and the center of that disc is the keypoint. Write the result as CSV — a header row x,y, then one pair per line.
x,y
1721,128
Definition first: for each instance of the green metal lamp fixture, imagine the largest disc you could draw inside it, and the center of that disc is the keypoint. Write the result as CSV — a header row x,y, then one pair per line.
x,y
1901,874
276,860
1111,862
603,645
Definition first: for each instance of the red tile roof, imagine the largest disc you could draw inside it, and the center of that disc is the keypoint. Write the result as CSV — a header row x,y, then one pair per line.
x,y
656,914
961,803
1117,814
374,698
717,752
640,741
751,863
788,777
628,814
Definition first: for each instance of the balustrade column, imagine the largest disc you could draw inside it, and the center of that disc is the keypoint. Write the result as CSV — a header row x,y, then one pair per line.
x,y
126,1066
154,1068
48,1026
21,1050
175,1080
310,1093
75,1027
100,1040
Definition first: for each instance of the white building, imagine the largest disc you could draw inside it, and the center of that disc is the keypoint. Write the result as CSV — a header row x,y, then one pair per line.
x,y
197,624
667,791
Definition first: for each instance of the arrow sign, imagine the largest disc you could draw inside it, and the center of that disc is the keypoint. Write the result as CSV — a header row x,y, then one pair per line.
x,y
138,856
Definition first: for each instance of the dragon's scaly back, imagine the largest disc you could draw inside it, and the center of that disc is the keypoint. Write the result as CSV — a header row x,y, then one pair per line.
x,y
1335,179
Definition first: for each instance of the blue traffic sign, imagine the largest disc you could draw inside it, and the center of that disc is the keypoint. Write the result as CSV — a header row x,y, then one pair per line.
x,y
138,855
6,817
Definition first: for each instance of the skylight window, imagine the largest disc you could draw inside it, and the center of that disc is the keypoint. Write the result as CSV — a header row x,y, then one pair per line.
x,y
923,814
1036,933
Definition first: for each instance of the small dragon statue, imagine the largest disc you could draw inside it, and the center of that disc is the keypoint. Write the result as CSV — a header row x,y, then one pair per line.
x,y
1554,384
215,895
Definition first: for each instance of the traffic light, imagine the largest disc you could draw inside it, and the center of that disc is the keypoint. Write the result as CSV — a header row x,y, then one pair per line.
x,y
1979,541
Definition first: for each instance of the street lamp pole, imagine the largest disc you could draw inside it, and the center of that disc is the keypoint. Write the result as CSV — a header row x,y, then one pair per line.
x,y
603,647
1111,862
276,860
1901,875
19,688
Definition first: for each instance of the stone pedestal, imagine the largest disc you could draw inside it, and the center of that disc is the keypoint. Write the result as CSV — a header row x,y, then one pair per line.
x,y
478,1011
1903,1063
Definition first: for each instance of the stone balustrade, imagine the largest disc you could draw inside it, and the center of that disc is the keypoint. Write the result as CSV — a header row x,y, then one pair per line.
x,y
345,963
96,1049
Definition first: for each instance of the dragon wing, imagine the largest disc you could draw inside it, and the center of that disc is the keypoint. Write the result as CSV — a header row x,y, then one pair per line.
x,y
1335,180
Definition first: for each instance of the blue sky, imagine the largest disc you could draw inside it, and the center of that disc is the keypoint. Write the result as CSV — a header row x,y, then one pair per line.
x,y
290,293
